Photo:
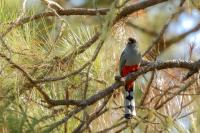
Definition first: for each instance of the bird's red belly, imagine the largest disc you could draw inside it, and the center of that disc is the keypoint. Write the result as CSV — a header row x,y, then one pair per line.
x,y
125,71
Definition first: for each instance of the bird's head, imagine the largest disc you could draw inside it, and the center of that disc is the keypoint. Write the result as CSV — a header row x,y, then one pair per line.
x,y
132,41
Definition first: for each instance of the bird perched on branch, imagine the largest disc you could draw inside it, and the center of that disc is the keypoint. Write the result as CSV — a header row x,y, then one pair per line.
x,y
129,62
53,5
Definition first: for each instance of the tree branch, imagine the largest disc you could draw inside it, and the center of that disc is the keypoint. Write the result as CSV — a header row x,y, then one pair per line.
x,y
150,67
153,49
84,11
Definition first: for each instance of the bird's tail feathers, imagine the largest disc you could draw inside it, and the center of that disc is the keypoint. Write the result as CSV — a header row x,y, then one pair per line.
x,y
129,103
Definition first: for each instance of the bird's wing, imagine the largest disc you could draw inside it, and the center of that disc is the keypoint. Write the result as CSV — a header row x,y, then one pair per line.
x,y
122,62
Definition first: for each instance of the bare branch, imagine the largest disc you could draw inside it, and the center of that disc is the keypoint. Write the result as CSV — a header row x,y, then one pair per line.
x,y
82,11
160,35
147,89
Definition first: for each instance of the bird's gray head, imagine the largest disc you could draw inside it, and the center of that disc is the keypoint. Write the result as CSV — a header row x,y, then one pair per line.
x,y
132,41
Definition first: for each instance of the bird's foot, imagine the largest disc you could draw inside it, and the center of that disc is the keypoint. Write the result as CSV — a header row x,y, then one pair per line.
x,y
118,78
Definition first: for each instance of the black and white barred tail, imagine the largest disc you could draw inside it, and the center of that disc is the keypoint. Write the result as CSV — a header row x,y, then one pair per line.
x,y
129,103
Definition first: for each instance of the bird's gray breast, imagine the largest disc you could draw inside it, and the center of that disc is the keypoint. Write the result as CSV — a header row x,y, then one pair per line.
x,y
132,56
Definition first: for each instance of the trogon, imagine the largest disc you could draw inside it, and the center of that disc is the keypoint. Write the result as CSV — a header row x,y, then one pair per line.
x,y
129,62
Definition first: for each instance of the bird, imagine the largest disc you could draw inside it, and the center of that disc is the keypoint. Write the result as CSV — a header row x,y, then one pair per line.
x,y
130,60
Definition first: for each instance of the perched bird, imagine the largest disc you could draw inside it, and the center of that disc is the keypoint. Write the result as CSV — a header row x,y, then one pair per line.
x,y
129,62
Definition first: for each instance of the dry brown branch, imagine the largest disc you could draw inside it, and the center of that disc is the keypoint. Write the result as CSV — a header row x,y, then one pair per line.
x,y
189,74
163,45
65,119
100,111
76,71
135,7
183,88
113,127
147,89
154,48
66,12
190,113
81,49
29,78
82,11
178,113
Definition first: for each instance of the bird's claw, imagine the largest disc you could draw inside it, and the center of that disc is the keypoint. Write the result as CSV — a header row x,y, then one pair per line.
x,y
118,78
